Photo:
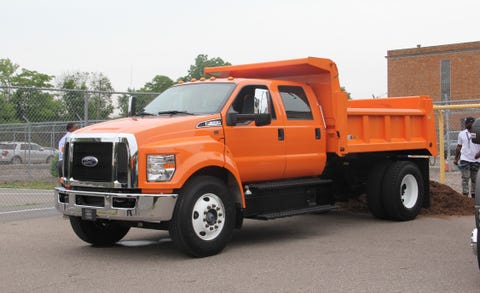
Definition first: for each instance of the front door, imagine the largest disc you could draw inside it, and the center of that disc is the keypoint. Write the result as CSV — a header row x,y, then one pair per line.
x,y
259,151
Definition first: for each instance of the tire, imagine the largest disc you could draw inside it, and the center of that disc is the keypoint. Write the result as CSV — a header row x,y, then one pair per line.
x,y
204,217
374,190
16,160
478,249
403,190
98,233
49,159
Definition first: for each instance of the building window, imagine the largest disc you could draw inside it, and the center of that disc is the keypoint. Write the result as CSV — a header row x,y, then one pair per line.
x,y
445,80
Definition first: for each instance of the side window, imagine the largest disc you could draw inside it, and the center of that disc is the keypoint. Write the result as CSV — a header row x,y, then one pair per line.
x,y
253,100
295,102
36,147
24,146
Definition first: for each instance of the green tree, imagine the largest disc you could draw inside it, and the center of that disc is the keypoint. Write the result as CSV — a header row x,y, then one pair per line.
x,y
73,99
100,104
344,90
157,85
202,61
82,86
34,105
7,108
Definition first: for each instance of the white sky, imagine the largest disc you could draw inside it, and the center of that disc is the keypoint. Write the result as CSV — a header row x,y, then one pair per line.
x,y
132,41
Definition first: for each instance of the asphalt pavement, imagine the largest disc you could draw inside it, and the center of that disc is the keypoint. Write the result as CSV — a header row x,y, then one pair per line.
x,y
336,252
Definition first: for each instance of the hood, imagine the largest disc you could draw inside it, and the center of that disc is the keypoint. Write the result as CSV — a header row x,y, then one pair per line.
x,y
149,129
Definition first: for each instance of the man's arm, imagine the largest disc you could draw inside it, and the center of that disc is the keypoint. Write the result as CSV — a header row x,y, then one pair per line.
x,y
457,154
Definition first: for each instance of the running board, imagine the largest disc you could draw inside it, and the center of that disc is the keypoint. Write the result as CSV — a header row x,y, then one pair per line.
x,y
289,213
289,183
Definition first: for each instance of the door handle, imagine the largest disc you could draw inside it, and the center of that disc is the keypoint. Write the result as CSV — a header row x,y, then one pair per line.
x,y
281,134
318,134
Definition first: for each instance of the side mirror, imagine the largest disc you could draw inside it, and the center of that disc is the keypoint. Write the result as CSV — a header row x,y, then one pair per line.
x,y
263,119
260,119
132,105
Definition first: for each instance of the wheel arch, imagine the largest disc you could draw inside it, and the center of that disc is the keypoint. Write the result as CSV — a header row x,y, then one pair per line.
x,y
226,176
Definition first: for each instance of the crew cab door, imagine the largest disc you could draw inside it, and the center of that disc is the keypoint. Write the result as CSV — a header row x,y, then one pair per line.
x,y
259,151
304,132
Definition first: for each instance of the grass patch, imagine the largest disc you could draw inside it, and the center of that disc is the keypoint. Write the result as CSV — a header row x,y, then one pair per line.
x,y
36,184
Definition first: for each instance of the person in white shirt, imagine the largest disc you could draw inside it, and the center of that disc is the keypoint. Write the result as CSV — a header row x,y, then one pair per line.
x,y
71,127
467,157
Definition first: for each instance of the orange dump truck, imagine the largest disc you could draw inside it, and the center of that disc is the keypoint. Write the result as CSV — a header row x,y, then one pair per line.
x,y
257,141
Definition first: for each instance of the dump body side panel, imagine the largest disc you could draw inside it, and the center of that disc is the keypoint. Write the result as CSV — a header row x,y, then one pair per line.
x,y
391,124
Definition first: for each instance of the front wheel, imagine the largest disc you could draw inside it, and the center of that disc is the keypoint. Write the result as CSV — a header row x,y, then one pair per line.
x,y
98,233
203,219
403,190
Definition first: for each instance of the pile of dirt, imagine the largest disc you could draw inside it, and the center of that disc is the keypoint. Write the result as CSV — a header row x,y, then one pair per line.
x,y
444,201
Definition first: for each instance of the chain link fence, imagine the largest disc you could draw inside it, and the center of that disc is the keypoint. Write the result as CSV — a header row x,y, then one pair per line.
x,y
32,121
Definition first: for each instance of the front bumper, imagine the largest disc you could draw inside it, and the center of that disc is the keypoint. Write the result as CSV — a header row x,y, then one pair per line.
x,y
116,206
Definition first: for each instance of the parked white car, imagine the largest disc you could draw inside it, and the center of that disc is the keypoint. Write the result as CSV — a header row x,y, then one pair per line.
x,y
15,152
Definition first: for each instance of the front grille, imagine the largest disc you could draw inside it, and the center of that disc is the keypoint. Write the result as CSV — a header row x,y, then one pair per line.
x,y
122,163
102,171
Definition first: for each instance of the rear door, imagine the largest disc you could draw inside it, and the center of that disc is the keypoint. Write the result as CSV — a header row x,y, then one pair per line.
x,y
304,132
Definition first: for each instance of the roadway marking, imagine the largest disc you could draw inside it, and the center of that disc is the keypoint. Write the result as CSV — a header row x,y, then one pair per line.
x,y
28,210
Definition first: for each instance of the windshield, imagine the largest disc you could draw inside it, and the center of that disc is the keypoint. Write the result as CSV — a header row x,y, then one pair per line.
x,y
200,98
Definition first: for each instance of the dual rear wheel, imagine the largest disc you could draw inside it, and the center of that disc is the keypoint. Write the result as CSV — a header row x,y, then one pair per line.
x,y
395,190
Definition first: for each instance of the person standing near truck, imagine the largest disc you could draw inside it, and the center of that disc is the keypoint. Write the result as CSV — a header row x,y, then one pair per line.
x,y
467,157
71,127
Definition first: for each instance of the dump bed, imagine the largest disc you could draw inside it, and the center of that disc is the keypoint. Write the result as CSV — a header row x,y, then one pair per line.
x,y
352,126
391,124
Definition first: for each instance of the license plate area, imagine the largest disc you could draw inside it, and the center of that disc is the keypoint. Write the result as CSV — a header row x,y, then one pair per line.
x,y
89,214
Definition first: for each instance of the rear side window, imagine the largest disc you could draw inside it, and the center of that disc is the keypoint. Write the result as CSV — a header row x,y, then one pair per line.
x,y
4,146
295,103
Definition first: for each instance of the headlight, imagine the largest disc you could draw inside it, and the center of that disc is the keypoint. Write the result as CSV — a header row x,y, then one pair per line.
x,y
160,168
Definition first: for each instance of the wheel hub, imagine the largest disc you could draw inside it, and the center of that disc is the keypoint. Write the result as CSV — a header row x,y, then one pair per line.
x,y
210,224
409,191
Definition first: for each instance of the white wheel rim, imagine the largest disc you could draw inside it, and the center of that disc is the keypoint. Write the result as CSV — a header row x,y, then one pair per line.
x,y
409,191
208,216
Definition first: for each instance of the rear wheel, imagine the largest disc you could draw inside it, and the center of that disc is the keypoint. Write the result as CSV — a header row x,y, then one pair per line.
x,y
403,190
16,160
374,190
478,252
204,217
97,232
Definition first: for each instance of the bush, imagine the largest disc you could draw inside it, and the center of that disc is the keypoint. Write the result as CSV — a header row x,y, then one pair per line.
x,y
53,166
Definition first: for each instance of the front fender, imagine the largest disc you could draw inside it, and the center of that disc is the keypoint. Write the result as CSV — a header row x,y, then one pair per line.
x,y
191,155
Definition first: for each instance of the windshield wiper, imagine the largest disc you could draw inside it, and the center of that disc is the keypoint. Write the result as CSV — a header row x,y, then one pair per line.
x,y
143,113
174,112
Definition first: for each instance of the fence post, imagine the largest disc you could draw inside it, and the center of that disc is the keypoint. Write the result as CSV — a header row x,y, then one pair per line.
x,y
85,109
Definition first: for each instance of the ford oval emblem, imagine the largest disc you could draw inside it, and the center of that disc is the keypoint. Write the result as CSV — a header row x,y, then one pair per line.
x,y
89,161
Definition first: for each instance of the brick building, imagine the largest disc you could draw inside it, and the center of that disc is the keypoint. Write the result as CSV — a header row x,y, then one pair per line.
x,y
445,72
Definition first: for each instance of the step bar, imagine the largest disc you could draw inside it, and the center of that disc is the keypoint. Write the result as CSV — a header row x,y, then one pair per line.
x,y
289,213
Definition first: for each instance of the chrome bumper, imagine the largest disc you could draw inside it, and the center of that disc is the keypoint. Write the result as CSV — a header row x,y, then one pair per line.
x,y
116,206
473,240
